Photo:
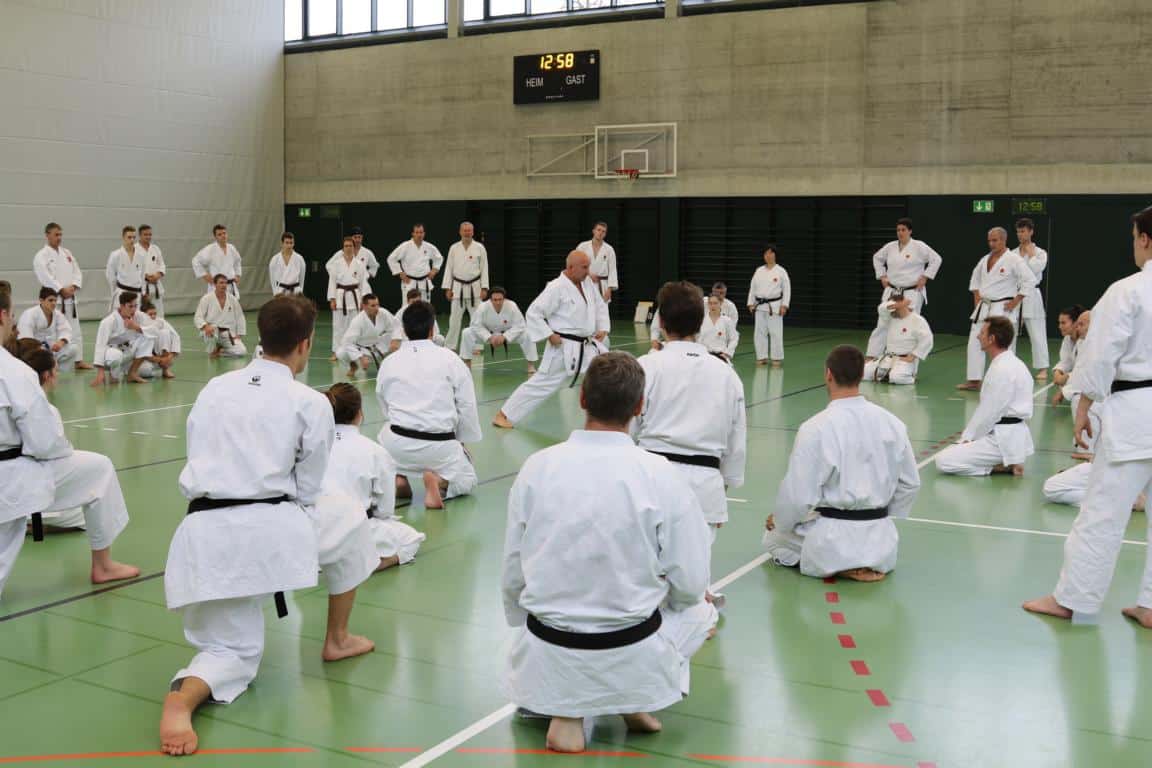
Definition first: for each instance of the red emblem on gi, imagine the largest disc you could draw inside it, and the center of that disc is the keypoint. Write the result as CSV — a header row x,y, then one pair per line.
x,y
775,279
1001,270
69,259
903,330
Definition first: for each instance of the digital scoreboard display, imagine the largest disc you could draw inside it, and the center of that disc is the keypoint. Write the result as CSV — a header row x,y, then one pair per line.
x,y
540,78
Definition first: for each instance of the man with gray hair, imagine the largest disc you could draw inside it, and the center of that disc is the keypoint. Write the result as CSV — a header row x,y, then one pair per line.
x,y
999,284
619,644
465,281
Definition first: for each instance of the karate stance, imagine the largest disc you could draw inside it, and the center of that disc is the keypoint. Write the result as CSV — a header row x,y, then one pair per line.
x,y
154,269
286,269
428,402
602,261
47,325
769,296
465,280
1032,312
907,341
904,267
220,320
1115,363
347,284
999,284
40,472
122,346
56,268
606,588
852,471
252,480
218,258
368,337
125,270
495,324
571,314
416,263
997,438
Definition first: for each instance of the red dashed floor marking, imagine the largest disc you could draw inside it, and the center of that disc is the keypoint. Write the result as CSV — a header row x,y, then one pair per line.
x,y
860,667
878,698
837,617
846,641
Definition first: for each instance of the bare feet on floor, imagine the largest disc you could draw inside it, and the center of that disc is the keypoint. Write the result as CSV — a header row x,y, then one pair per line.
x,y
970,386
1048,606
761,362
346,648
1016,470
1042,374
642,722
214,354
176,734
387,562
531,368
83,366
135,379
863,574
565,734
113,571
502,421
1082,456
776,363
352,370
1140,615
403,488
168,374
434,488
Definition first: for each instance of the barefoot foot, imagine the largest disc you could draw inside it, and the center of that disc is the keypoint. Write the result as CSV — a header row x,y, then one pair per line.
x,y
83,366
176,734
863,574
642,722
502,421
1048,607
432,496
531,368
566,734
969,386
351,645
168,374
113,571
1140,615
137,380
387,562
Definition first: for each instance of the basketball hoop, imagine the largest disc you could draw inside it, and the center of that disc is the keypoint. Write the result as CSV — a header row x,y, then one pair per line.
x,y
628,173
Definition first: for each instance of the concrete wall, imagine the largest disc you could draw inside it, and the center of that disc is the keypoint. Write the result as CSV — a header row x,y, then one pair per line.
x,y
122,112
898,97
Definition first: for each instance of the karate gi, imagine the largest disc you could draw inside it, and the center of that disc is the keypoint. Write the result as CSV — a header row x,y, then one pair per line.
x,y
509,322
34,325
465,274
164,336
1006,393
125,273
287,278
770,290
346,551
428,389
1032,311
211,260
117,345
602,266
853,455
694,407
1118,348
49,475
364,255
1009,278
398,329
909,335
560,308
153,261
347,286
363,471
365,336
255,433
56,269
416,261
601,561
719,335
727,310
1069,351
1067,362
1068,486
903,266
229,323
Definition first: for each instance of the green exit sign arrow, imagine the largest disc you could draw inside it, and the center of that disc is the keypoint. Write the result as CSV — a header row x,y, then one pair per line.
x,y
305,213
983,206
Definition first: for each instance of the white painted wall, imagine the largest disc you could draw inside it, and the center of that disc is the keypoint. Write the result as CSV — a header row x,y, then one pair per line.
x,y
148,111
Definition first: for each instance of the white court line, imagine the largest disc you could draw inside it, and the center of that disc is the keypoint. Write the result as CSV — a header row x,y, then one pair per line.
x,y
1005,530
483,724
1035,394
738,501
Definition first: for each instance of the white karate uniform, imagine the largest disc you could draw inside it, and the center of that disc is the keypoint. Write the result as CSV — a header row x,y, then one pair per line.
x,y
1006,393
600,558
727,310
853,455
772,284
49,475
153,262
1117,348
903,266
1067,362
210,261
34,325
347,286
1009,278
464,264
362,470
603,265
1032,310
347,553
125,273
1068,486
508,322
228,318
223,562
909,335
287,278
367,336
1068,352
560,308
117,346
694,406
365,255
398,329
719,335
416,261
164,336
56,269
427,388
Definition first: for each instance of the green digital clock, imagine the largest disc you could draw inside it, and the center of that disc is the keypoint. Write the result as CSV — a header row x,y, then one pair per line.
x,y
1029,206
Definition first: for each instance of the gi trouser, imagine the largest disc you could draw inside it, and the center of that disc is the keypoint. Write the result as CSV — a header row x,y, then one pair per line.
x,y
974,459
769,333
351,353
879,335
470,339
446,458
228,636
1069,486
892,369
824,547
1038,335
226,343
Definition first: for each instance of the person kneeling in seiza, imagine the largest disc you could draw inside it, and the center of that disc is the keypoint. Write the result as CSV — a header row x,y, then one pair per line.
x,y
908,341
606,588
368,336
852,471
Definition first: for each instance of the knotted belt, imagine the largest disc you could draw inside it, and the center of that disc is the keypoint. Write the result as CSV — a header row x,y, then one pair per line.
x,y
417,435
353,289
761,301
1011,420
471,291
976,317
289,288
584,342
493,349
8,454
596,641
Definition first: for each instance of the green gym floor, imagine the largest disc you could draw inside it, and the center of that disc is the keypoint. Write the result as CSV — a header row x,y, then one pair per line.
x,y
936,666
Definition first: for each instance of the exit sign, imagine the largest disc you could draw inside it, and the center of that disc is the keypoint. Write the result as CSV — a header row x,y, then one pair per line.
x,y
305,213
983,206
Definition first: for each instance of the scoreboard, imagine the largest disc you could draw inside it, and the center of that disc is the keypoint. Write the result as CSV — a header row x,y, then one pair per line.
x,y
540,78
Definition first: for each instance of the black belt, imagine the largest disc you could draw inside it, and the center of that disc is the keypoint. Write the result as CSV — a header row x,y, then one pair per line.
x,y
65,302
349,289
580,361
225,332
471,290
151,288
1011,420
596,641
123,287
989,303
694,460
8,454
721,356
374,353
856,515
436,437
203,503
1124,386
762,301
493,348
289,287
